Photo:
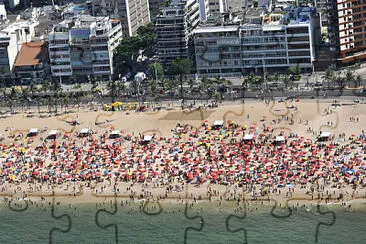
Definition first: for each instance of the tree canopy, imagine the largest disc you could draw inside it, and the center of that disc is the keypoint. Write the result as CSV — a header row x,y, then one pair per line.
x,y
131,48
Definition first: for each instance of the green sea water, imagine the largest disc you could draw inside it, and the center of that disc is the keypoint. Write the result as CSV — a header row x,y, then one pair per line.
x,y
35,224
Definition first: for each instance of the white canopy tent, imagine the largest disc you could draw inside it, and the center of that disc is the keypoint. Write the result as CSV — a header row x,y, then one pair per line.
x,y
218,123
33,131
325,134
115,133
85,131
248,137
280,138
53,132
147,138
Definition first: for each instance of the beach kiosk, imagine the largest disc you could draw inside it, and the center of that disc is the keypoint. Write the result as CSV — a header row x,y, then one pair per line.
x,y
279,140
218,124
115,134
52,134
84,132
33,132
324,136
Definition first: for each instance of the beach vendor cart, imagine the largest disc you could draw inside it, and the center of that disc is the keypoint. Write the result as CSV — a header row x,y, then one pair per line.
x,y
325,136
84,132
218,124
33,132
115,134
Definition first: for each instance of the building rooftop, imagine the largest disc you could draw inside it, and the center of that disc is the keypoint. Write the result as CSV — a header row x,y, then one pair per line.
x,y
254,13
31,53
206,29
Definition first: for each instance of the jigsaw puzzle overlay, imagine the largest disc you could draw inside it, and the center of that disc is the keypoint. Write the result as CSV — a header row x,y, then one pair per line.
x,y
256,171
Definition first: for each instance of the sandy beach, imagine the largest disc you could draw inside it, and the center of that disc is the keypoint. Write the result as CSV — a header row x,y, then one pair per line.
x,y
172,165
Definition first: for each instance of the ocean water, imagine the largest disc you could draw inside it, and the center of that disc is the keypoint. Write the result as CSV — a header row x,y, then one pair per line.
x,y
36,225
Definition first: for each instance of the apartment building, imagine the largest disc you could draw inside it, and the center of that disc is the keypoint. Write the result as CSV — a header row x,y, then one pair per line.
x,y
12,36
217,6
173,29
273,45
131,13
84,46
32,61
348,29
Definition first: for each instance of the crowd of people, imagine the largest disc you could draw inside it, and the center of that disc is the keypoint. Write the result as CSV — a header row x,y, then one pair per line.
x,y
229,154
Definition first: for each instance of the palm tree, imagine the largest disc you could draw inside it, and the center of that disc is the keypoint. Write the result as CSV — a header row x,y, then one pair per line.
x,y
24,98
10,99
339,80
153,87
64,102
328,76
191,84
111,86
276,77
358,81
50,104
39,102
32,88
349,77
181,67
251,78
157,69
77,96
286,81
202,88
217,97
45,86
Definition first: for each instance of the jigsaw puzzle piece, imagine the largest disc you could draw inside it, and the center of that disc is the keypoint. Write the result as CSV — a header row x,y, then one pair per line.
x,y
112,226
30,220
58,217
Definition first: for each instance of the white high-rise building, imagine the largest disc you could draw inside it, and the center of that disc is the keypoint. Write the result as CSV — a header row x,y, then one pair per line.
x,y
11,39
173,29
131,13
3,16
84,46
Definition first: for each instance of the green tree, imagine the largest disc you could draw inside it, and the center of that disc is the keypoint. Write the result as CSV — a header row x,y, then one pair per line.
x,y
286,81
251,78
358,81
181,67
111,87
24,98
349,77
65,102
328,76
131,48
191,83
11,98
147,39
217,97
32,88
153,87
39,103
157,69
295,72
276,77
